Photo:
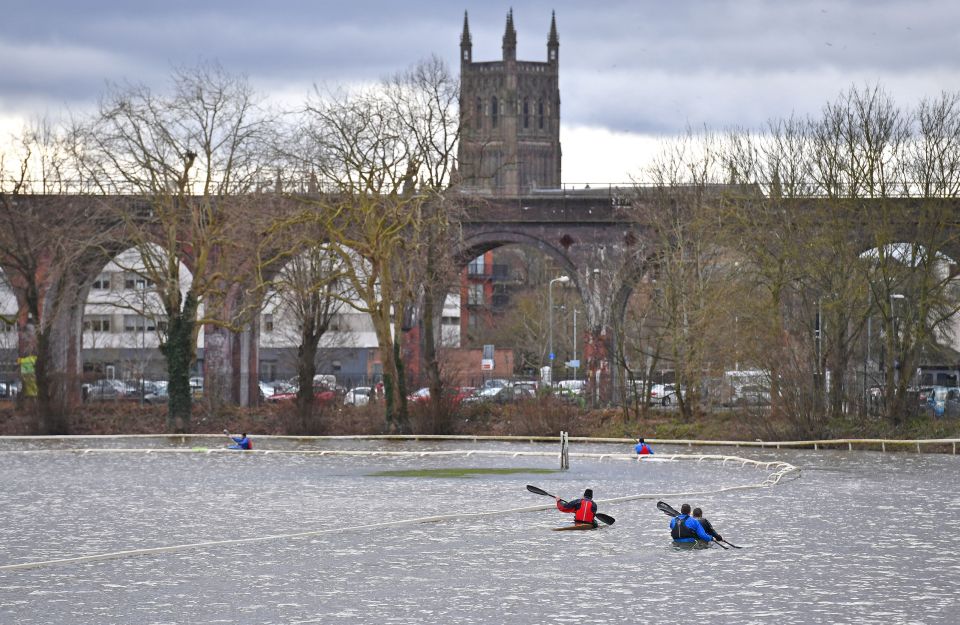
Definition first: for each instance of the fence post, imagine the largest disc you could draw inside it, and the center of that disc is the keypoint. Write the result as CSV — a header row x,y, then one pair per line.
x,y
564,451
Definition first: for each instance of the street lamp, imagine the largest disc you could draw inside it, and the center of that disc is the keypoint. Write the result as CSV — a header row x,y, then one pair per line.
x,y
893,339
550,355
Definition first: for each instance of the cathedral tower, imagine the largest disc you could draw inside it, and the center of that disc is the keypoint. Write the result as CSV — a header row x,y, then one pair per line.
x,y
509,117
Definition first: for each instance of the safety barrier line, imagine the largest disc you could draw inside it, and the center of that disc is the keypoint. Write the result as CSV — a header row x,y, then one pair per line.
x,y
849,443
783,469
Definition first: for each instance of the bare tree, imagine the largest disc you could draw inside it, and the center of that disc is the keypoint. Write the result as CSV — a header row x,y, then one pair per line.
x,y
44,245
189,154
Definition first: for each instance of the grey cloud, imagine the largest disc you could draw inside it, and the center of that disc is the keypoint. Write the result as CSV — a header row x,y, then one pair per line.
x,y
642,67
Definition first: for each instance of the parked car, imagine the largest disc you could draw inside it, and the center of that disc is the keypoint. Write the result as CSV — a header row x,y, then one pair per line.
x,y
500,395
751,395
924,394
944,401
457,394
9,389
357,396
266,389
664,394
420,395
102,390
321,395
573,386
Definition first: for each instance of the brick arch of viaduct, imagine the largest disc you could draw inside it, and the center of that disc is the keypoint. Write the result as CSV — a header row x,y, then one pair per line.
x,y
231,358
594,240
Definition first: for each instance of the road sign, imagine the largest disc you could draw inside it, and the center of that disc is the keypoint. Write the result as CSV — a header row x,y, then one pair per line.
x,y
552,356
573,364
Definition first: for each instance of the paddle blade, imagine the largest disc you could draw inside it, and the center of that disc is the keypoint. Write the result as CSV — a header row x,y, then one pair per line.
x,y
666,509
606,518
538,491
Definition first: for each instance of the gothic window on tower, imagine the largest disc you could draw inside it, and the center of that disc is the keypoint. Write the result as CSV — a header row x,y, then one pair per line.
x,y
479,113
540,113
526,113
493,111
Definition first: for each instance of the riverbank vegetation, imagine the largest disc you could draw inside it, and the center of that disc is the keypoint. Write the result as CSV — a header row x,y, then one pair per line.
x,y
539,418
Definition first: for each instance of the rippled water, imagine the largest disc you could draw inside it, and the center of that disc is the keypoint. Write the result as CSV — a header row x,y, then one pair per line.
x,y
861,537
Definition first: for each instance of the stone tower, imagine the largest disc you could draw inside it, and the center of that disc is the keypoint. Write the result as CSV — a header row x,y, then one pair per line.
x,y
509,118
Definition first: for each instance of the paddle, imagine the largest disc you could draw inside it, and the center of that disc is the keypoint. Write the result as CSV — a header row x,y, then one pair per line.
x,y
606,518
670,511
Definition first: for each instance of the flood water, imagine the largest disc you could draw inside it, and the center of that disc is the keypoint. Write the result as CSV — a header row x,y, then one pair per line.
x,y
859,537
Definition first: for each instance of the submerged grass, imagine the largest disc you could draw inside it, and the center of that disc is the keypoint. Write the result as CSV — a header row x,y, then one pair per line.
x,y
457,472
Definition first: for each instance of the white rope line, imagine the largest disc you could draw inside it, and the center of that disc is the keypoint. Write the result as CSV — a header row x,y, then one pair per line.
x,y
782,469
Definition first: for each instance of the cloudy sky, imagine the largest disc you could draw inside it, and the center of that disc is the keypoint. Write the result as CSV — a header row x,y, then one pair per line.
x,y
631,72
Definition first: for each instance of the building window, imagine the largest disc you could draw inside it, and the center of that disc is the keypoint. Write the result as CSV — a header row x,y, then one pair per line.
x,y
526,113
96,323
138,323
102,283
540,113
335,324
132,281
494,112
474,295
268,370
479,112
476,267
336,366
267,323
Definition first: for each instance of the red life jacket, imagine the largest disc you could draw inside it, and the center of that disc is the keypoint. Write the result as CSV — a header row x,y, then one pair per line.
x,y
644,450
584,513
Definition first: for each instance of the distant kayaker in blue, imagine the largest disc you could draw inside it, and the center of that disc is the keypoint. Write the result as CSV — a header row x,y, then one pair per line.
x,y
707,526
583,509
240,442
642,448
686,529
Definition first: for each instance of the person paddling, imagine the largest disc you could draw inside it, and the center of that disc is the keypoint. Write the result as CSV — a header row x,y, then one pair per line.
x,y
642,448
240,442
686,529
584,509
707,526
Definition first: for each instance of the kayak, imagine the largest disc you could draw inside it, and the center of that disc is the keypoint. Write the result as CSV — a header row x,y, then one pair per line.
x,y
699,544
575,526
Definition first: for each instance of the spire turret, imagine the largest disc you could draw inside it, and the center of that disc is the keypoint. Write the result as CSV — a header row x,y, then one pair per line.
x,y
510,39
553,40
466,44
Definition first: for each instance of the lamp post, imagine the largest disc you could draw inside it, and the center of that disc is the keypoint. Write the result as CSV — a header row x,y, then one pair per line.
x,y
576,365
550,355
893,339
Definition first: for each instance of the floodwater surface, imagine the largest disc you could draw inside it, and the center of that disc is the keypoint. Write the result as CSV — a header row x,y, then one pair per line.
x,y
859,537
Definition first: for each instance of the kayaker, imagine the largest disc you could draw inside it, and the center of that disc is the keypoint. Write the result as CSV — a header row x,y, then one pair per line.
x,y
698,515
240,442
583,509
642,448
686,529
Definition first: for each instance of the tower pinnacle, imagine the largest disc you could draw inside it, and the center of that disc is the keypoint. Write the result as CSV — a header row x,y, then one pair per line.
x,y
553,40
510,39
466,44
